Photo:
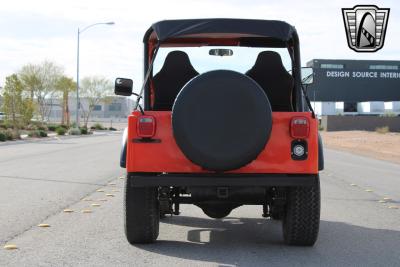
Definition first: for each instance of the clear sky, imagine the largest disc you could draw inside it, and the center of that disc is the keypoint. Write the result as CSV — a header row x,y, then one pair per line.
x,y
35,30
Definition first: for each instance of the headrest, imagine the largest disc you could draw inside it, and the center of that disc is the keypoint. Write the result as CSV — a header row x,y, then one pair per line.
x,y
177,60
269,60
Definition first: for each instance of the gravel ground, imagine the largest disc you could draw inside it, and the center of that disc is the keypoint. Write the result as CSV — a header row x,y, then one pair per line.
x,y
371,144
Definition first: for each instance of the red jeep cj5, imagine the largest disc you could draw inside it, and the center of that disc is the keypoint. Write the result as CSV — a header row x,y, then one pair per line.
x,y
222,120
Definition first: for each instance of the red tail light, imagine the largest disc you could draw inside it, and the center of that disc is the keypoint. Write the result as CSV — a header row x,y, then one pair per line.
x,y
299,127
146,126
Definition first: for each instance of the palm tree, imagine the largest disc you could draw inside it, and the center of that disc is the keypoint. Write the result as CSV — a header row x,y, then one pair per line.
x,y
65,85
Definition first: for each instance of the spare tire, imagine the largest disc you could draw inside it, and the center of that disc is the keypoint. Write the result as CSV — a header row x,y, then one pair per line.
x,y
221,120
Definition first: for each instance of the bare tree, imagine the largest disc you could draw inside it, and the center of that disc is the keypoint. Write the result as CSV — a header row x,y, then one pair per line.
x,y
95,90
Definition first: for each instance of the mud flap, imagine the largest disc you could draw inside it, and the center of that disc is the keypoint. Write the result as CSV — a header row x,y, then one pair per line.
x,y
122,159
321,164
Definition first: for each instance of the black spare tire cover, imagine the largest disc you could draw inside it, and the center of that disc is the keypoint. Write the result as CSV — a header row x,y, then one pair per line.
x,y
221,120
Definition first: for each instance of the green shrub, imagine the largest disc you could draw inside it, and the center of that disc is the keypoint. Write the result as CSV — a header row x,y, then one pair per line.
x,y
97,126
9,134
52,127
34,133
42,133
382,130
74,131
61,131
37,133
84,130
12,134
42,128
112,129
3,137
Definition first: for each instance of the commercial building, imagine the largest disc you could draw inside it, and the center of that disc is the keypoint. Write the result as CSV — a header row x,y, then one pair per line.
x,y
362,87
116,110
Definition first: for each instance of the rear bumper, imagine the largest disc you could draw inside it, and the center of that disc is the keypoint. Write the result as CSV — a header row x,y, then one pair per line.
x,y
146,179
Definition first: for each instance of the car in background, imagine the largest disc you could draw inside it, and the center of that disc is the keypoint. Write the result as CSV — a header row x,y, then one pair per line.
x,y
2,116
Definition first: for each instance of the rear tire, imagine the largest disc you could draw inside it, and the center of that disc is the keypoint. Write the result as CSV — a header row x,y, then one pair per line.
x,y
302,215
142,214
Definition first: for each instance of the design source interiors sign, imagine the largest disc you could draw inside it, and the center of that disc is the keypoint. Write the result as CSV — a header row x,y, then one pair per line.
x,y
355,85
362,74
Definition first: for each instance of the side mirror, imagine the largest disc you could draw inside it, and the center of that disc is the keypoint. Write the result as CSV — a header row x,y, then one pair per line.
x,y
123,86
307,75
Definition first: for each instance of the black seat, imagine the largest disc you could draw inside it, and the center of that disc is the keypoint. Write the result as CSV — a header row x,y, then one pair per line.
x,y
271,75
174,74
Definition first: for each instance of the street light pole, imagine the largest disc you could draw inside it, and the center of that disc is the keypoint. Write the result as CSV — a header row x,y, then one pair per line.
x,y
78,104
77,84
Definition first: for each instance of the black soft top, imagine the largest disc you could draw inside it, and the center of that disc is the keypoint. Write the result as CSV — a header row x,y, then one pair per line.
x,y
207,27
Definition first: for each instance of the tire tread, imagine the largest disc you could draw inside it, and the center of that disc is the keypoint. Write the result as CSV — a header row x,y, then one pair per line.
x,y
302,218
142,214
